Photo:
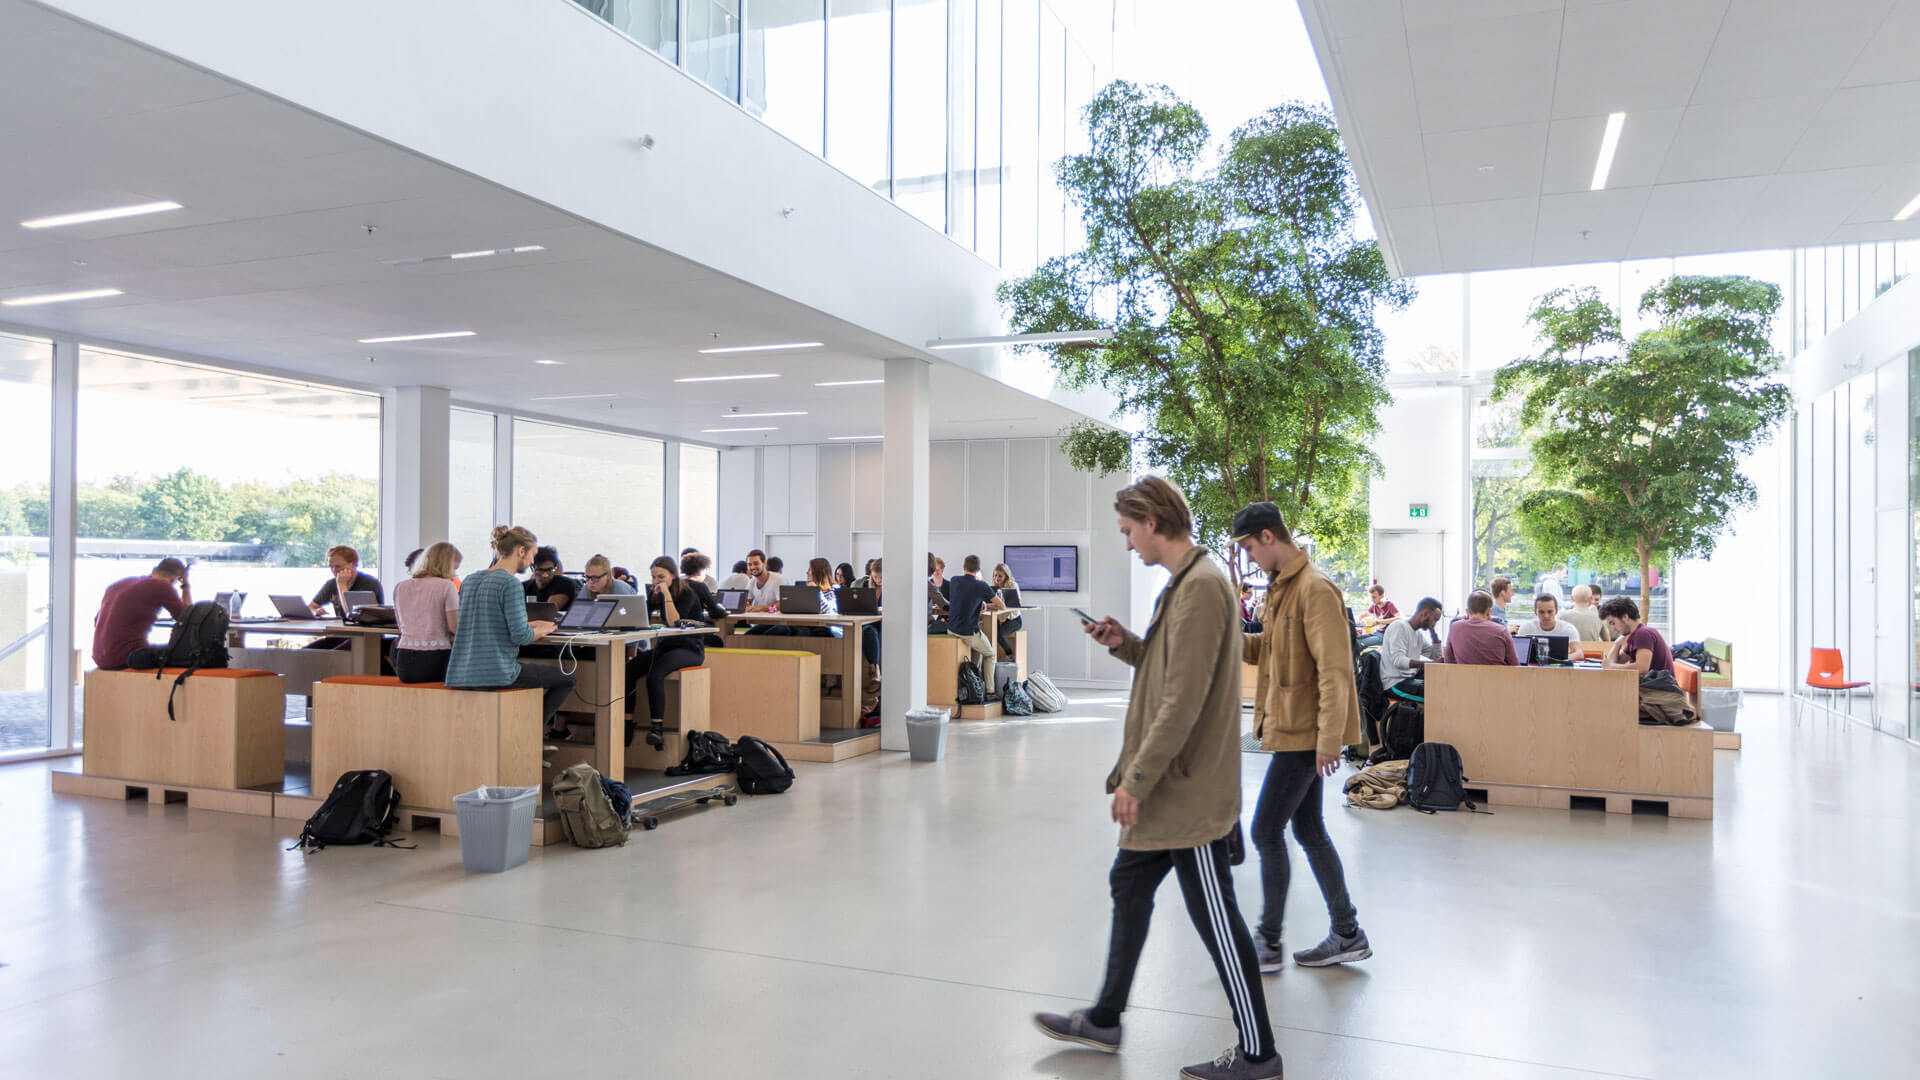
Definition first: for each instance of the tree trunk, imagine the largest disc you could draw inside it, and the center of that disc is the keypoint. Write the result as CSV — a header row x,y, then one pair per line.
x,y
1646,586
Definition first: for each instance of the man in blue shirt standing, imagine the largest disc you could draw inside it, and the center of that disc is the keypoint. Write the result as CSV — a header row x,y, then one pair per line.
x,y
966,596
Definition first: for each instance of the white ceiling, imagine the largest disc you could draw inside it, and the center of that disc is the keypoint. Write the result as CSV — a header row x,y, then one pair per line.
x,y
272,264
1474,125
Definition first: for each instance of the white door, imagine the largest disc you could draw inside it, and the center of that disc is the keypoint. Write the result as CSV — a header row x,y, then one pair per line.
x,y
1410,565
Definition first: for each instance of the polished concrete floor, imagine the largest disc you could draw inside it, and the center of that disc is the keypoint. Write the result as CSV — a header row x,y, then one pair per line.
x,y
888,919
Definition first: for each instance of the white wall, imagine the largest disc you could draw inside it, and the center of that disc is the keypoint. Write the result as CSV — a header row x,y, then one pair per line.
x,y
826,500
1422,449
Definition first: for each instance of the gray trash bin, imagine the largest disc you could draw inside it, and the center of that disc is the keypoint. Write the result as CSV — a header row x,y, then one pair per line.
x,y
496,827
1720,708
926,733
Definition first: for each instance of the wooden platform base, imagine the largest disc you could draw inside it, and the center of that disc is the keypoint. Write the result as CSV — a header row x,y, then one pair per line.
x,y
990,711
226,800
546,829
1726,740
867,742
1615,802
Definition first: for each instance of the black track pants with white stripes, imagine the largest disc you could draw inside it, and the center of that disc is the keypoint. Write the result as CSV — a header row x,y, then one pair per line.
x,y
1208,888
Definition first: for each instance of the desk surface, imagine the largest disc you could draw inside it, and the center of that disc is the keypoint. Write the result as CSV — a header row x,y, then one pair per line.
x,y
331,629
799,620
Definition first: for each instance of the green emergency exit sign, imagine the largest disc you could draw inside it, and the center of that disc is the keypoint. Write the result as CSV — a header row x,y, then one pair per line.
x,y
1417,510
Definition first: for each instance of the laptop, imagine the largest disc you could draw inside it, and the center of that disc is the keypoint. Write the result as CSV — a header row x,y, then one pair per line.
x,y
355,599
1549,650
734,601
799,600
291,607
584,617
858,601
627,613
541,611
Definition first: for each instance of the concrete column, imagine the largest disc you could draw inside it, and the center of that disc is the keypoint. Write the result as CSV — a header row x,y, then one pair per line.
x,y
414,438
503,470
904,548
670,504
64,664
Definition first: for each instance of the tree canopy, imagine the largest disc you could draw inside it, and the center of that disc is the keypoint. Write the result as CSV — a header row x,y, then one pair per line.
x,y
1638,443
1243,304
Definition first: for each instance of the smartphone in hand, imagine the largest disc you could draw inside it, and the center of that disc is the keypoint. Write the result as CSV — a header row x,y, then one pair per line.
x,y
1084,617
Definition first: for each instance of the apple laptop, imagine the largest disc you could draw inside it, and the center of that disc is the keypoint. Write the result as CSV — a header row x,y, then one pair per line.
x,y
628,613
291,607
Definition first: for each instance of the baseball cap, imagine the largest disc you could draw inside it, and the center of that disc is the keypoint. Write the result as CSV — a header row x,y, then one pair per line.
x,y
1255,517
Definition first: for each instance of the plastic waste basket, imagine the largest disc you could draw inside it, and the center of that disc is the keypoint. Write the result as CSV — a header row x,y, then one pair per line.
x,y
1720,708
926,733
496,827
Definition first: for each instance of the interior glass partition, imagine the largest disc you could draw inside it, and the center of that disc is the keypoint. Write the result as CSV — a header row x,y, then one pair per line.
x,y
26,468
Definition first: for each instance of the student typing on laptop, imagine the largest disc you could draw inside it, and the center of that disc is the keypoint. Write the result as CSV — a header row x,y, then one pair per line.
x,y
493,625
1546,622
672,600
332,597
1477,639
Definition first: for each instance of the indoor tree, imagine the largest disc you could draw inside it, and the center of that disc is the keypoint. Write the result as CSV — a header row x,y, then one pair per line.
x,y
1245,349
1637,444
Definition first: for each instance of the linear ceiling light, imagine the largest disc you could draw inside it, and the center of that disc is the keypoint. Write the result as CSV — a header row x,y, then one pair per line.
x,y
550,363
571,397
1908,210
59,297
108,214
852,382
435,336
853,438
733,430
764,348
727,378
521,250
1062,337
1609,143
758,415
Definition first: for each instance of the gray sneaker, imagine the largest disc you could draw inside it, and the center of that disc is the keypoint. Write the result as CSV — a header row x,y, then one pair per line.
x,y
1076,1028
1231,1066
1272,957
1335,950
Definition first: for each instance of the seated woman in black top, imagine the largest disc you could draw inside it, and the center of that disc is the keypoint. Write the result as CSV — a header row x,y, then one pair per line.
x,y
672,600
332,597
1009,595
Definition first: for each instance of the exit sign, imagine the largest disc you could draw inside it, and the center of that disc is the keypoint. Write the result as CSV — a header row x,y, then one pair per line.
x,y
1417,510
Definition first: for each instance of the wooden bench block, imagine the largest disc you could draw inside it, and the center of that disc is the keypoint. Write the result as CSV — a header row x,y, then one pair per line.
x,y
831,651
771,693
228,732
945,653
437,743
1249,681
689,699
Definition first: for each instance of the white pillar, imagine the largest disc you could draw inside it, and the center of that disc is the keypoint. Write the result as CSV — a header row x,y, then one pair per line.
x,y
414,437
63,662
903,668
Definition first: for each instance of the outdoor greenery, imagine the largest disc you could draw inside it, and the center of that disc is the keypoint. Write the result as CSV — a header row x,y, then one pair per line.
x,y
1245,348
299,519
1637,444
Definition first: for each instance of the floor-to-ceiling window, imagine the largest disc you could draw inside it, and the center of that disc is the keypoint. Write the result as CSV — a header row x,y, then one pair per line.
x,y
653,23
470,484
920,109
785,79
713,44
588,492
860,89
26,467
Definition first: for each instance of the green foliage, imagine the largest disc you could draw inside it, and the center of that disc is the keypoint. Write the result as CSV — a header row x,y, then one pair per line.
x,y
1243,306
1638,445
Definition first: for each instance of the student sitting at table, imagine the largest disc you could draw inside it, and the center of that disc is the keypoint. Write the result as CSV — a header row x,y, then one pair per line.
x,y
672,600
426,607
967,596
1637,646
738,579
1584,615
601,580
1547,622
1381,610
1501,589
1009,598
763,589
777,567
128,611
820,577
548,584
870,648
345,564
843,576
1477,639
494,625
937,606
695,566
1405,649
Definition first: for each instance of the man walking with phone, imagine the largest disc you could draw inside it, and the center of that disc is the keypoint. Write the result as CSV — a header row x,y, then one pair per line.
x,y
1305,709
1176,787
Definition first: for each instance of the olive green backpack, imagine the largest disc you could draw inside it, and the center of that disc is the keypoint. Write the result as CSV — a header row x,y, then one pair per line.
x,y
587,816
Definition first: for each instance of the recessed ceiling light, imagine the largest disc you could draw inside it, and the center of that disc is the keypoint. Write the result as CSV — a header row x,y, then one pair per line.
x,y
727,378
1059,337
758,415
553,363
60,297
522,250
732,430
764,348
1486,168
852,382
853,438
1609,142
1908,210
109,214
571,397
435,336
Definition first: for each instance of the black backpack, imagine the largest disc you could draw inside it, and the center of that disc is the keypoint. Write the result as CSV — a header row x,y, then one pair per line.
x,y
1436,780
761,769
707,752
1402,729
198,640
362,808
973,686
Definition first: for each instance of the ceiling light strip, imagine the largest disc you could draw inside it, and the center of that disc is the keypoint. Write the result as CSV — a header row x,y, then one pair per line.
x,y
571,397
726,378
852,382
763,348
1908,210
434,336
109,214
1056,337
1609,143
59,297
758,415
733,430
853,438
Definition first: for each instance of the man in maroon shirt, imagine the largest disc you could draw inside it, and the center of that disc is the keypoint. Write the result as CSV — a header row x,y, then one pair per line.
x,y
128,611
1477,639
1637,646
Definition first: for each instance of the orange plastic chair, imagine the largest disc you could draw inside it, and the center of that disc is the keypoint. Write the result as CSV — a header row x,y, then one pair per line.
x,y
1826,670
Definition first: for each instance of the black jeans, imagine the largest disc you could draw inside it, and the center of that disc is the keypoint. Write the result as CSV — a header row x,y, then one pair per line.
x,y
654,665
1415,688
421,665
1292,792
870,643
1207,885
558,685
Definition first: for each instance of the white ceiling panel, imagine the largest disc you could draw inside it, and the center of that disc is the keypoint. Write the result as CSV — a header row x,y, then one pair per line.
x,y
1748,124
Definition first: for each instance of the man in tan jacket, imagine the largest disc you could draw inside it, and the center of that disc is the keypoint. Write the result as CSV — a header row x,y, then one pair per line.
x,y
1176,787
1305,710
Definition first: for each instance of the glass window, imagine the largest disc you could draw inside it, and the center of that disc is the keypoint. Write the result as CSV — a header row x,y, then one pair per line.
x,y
859,89
786,75
1079,96
1020,136
1913,513
589,491
653,23
987,152
713,44
470,483
920,109
26,469
700,500
1053,137
963,44
253,481
1426,335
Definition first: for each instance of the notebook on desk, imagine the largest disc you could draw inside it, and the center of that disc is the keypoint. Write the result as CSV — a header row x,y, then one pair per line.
x,y
857,601
584,617
732,601
541,611
291,607
1545,650
799,600
628,613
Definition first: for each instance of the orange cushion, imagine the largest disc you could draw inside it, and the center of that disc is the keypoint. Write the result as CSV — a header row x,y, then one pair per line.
x,y
214,673
1687,675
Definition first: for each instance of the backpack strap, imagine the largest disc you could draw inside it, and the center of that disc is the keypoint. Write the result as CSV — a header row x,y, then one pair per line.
x,y
176,689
